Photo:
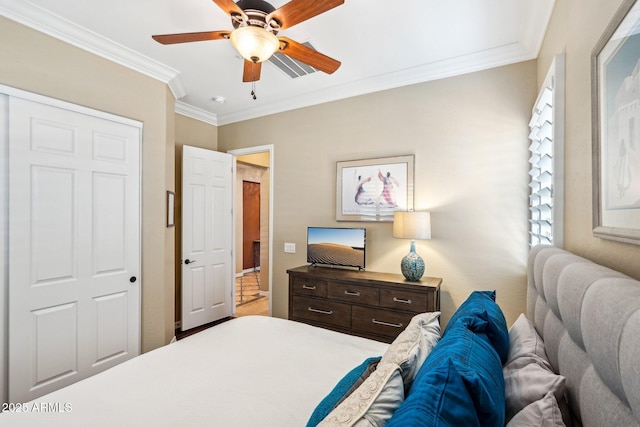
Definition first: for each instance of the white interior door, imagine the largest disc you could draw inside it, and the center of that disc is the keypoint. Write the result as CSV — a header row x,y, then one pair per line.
x,y
74,245
207,236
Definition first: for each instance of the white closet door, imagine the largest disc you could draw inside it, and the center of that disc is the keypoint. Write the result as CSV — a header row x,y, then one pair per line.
x,y
74,246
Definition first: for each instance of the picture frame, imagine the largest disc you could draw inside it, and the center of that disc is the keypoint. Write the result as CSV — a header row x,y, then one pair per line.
x,y
171,203
615,64
373,189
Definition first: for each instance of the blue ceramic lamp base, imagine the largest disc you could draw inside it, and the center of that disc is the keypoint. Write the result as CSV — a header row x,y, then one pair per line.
x,y
412,265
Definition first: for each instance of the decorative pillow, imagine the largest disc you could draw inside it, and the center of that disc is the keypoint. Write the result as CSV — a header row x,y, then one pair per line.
x,y
528,383
541,413
460,380
497,332
410,349
352,380
437,399
524,340
371,404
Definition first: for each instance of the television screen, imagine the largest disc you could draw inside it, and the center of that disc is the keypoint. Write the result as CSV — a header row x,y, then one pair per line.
x,y
336,246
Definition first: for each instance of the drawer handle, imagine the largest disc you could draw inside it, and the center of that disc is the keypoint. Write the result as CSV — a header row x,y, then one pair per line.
x,y
315,310
393,325
311,288
404,301
351,293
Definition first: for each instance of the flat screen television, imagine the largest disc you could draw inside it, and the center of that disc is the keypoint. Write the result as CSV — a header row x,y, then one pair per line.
x,y
343,247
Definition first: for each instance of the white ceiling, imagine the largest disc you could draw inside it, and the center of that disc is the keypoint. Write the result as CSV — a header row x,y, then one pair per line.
x,y
382,44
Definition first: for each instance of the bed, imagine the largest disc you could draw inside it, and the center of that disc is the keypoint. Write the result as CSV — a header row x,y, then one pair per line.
x,y
249,371
570,360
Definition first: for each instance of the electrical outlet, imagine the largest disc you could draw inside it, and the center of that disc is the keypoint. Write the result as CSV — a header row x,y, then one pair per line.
x,y
290,248
178,324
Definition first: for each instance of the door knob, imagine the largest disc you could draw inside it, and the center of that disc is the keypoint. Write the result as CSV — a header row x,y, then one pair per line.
x,y
132,279
189,261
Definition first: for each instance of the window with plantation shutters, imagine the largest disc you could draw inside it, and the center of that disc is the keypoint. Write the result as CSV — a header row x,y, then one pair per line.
x,y
547,160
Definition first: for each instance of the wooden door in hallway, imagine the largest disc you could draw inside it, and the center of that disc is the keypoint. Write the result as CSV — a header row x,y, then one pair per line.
x,y
250,224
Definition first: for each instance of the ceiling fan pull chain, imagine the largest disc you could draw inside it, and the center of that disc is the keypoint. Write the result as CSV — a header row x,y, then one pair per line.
x,y
253,90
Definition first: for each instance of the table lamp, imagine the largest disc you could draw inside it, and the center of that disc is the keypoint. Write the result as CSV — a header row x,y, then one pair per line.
x,y
412,225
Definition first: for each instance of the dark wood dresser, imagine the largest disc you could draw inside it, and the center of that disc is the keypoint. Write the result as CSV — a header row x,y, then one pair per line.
x,y
364,303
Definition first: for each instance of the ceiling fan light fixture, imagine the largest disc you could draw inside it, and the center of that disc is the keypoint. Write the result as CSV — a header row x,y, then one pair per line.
x,y
254,44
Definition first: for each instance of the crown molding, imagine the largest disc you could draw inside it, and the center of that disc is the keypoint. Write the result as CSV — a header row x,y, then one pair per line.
x,y
34,17
478,61
196,113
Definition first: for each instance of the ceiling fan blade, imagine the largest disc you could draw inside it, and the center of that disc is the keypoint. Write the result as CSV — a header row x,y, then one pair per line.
x,y
308,56
297,11
229,7
251,71
191,37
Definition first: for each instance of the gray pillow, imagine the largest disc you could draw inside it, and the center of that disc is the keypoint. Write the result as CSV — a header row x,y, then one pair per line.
x,y
541,413
524,340
529,383
528,374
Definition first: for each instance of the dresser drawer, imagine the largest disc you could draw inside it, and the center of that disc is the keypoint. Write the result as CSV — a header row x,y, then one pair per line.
x,y
324,311
379,321
364,303
415,302
354,293
310,287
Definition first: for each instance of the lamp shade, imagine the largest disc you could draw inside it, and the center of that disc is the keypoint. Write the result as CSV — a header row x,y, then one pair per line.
x,y
412,225
255,44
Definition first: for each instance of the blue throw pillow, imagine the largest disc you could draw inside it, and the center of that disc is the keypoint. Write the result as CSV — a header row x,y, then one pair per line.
x,y
496,330
440,399
460,384
344,387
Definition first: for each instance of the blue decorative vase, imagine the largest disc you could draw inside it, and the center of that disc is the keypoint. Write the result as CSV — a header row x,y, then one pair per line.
x,y
412,265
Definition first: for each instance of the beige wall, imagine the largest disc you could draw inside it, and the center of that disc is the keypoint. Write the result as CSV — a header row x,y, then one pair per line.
x,y
469,138
199,134
265,205
576,27
38,63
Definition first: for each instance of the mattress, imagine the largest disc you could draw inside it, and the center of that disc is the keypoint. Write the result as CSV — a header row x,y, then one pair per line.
x,y
249,371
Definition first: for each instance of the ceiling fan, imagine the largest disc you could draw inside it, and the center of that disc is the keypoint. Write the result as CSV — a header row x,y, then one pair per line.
x,y
256,24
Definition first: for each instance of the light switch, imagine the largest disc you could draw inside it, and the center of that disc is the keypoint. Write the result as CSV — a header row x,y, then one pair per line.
x,y
290,248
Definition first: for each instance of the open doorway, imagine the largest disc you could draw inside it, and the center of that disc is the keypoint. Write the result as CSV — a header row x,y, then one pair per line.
x,y
253,173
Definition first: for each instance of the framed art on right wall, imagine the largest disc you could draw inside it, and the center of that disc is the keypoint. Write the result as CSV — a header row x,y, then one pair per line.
x,y
615,75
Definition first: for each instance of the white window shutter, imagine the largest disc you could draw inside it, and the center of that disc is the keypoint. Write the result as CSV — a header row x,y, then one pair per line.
x,y
546,199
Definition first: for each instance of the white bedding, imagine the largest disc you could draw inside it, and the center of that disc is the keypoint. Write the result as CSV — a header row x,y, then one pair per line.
x,y
250,371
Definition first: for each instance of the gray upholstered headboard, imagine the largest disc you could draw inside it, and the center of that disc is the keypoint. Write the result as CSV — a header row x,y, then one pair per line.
x,y
589,318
